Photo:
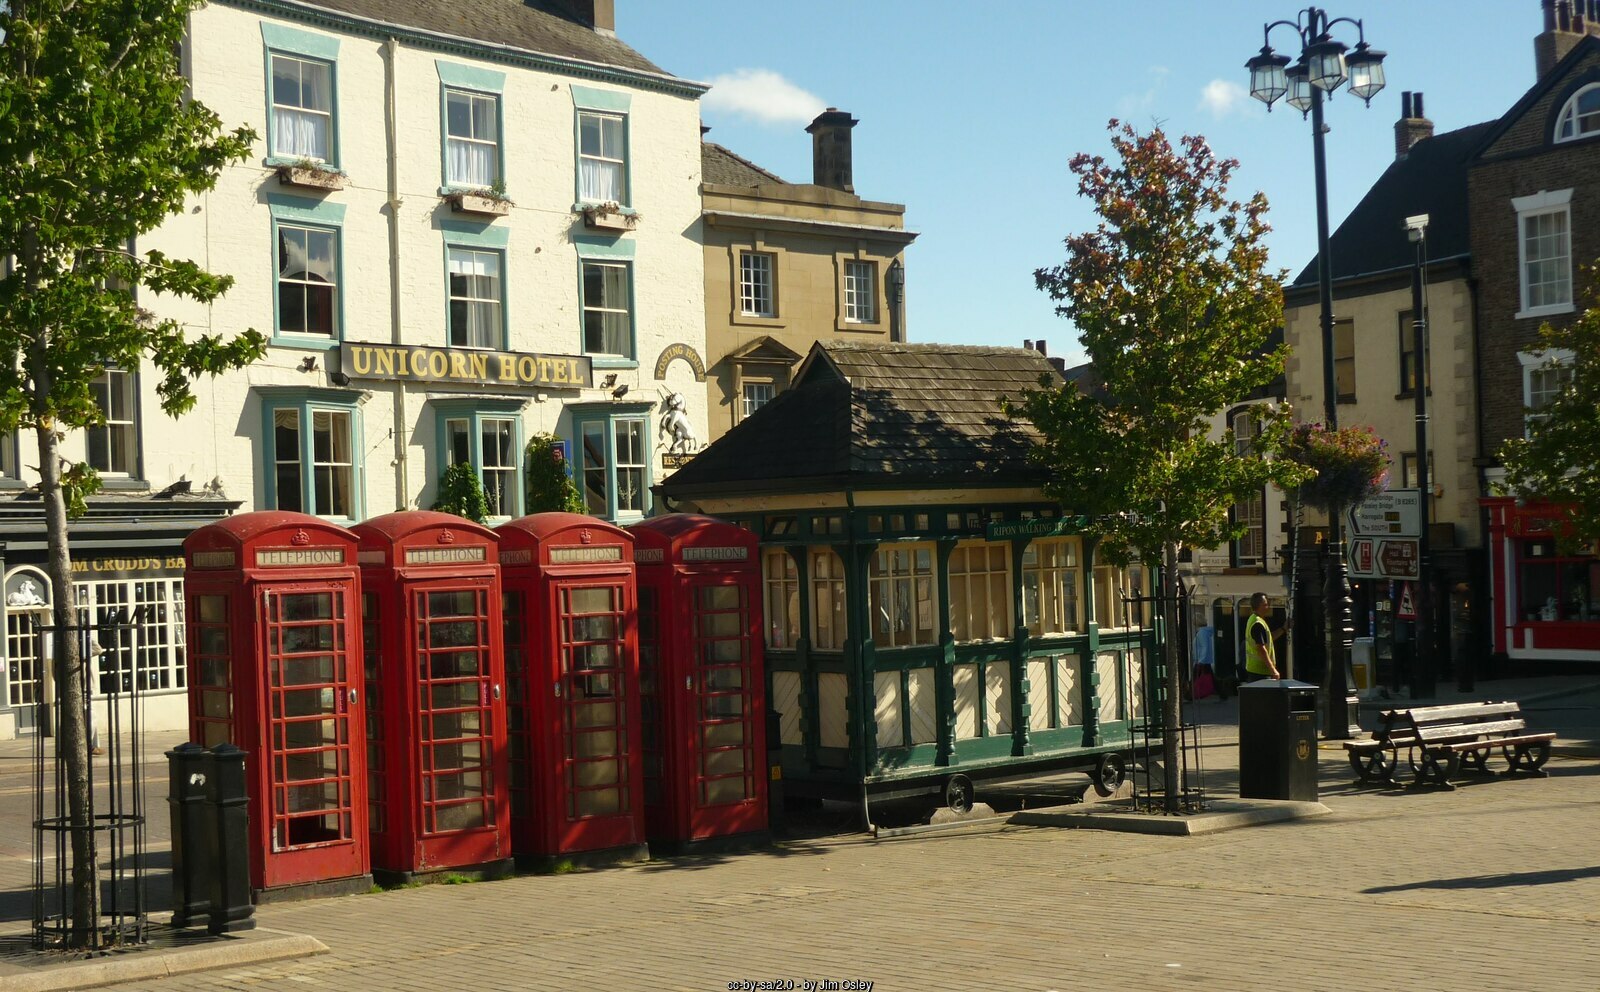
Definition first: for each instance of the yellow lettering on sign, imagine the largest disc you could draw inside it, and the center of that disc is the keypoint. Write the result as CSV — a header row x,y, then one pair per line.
x,y
572,372
361,360
508,367
480,366
385,361
438,365
458,365
546,370
527,368
419,362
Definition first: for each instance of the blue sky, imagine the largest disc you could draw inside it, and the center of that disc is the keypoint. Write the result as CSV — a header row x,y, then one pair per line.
x,y
970,111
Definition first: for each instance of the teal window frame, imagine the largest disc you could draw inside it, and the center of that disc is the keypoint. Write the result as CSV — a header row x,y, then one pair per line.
x,y
609,416
308,401
476,412
608,252
605,103
479,237
278,39
294,211
473,81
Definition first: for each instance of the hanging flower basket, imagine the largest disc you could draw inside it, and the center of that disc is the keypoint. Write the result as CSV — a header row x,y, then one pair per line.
x,y
1349,463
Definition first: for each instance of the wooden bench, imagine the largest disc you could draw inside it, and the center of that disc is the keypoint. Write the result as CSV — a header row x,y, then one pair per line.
x,y
1439,740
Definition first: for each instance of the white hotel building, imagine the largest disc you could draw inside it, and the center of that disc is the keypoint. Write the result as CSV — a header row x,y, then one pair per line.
x,y
461,224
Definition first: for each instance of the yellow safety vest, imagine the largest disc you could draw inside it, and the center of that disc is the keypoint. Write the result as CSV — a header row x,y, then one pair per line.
x,y
1255,660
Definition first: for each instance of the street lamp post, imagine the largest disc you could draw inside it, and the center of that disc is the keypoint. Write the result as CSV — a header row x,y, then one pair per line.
x,y
1322,68
1423,676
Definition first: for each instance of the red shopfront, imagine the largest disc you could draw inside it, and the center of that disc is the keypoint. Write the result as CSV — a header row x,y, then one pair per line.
x,y
1546,599
701,679
572,703
436,728
273,635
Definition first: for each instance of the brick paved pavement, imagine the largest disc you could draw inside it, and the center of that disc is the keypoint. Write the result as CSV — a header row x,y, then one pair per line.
x,y
1495,886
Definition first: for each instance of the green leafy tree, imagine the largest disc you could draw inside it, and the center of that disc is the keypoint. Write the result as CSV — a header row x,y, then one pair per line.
x,y
1559,460
547,484
461,492
99,143
1173,302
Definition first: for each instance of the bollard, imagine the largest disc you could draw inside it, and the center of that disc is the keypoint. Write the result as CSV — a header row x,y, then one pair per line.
x,y
227,802
191,836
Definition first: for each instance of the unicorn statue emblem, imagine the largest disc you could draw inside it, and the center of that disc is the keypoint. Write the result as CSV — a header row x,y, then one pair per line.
x,y
675,426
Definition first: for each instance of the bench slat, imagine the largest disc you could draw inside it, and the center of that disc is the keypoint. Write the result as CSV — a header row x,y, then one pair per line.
x,y
1453,712
1500,742
1447,731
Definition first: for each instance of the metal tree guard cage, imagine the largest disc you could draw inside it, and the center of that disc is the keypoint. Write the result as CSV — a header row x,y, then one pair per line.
x,y
1145,737
115,821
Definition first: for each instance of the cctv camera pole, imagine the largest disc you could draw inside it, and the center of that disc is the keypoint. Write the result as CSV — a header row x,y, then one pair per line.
x,y
1422,674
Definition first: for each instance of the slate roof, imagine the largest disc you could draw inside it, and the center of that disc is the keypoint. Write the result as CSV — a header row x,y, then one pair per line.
x,y
879,414
1432,180
531,26
719,165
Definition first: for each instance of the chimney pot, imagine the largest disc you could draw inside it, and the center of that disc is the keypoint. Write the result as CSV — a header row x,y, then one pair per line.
x,y
1412,126
830,150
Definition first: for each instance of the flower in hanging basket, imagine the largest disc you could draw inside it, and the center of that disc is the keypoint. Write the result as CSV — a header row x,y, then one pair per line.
x,y
1349,463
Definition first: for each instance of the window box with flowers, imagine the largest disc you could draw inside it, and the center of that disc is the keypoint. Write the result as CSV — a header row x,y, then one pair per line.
x,y
311,174
489,201
1348,464
609,216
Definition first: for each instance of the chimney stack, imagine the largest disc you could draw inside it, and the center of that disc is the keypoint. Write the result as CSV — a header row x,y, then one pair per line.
x,y
598,14
1413,125
1566,22
830,149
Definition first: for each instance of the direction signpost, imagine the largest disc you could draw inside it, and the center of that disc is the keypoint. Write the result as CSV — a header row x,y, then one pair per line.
x,y
1385,530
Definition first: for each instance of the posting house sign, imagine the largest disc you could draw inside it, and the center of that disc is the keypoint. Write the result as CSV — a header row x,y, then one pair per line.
x,y
495,368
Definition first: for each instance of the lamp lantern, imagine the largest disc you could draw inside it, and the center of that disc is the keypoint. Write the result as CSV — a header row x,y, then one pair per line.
x,y
1267,82
1299,87
1366,72
1325,63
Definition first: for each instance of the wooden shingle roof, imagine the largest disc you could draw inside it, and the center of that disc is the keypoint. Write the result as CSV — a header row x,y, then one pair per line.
x,y
869,415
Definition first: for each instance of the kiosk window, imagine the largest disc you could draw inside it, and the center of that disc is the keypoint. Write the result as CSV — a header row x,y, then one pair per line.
x,y
783,598
1050,581
828,627
902,603
980,591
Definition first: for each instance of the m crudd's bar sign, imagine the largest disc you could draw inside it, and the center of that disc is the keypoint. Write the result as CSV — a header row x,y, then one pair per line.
x,y
445,556
498,368
298,557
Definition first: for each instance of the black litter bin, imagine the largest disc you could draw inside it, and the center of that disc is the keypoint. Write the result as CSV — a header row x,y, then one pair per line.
x,y
1278,740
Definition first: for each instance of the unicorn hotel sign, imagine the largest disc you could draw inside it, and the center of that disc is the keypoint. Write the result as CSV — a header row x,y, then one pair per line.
x,y
415,363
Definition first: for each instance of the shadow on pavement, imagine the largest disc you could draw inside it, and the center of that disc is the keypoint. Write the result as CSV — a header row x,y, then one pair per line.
x,y
1504,881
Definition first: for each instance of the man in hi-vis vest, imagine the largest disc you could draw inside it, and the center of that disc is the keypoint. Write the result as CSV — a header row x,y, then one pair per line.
x,y
1260,656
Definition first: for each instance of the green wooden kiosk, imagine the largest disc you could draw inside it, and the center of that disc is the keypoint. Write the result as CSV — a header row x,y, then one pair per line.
x,y
931,618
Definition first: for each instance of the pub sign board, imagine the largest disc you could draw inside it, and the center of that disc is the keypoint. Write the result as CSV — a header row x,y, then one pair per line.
x,y
459,365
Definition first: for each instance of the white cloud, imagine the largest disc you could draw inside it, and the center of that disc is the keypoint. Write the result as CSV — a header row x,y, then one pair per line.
x,y
1136,105
1222,97
763,96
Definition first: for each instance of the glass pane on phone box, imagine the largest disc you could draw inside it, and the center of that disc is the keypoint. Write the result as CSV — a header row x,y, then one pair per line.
x,y
468,754
595,657
600,628
308,733
212,734
723,707
593,687
214,640
307,606
216,704
724,762
447,695
590,600
595,744
213,609
305,798
599,802
721,625
719,597
724,790
587,774
312,765
458,603
304,702
316,670
454,634
723,679
318,637
722,734
467,816
722,652
594,715
453,664
467,723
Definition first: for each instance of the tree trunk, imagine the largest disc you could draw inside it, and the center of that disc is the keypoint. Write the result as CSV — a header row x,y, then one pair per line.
x,y
1172,694
72,741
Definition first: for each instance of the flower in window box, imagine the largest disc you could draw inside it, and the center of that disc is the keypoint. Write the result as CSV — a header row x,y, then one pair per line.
x,y
610,216
311,172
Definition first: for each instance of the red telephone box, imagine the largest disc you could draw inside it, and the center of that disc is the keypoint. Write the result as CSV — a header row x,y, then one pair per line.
x,y
700,669
272,607
436,728
573,702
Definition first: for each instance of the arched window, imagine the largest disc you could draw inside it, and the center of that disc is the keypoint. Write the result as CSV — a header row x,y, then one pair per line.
x,y
1581,115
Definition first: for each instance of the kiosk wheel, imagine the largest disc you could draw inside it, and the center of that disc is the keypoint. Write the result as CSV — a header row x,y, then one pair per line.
x,y
958,793
1110,771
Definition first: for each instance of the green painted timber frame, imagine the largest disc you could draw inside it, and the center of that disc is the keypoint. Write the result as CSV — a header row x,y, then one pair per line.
x,y
856,534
